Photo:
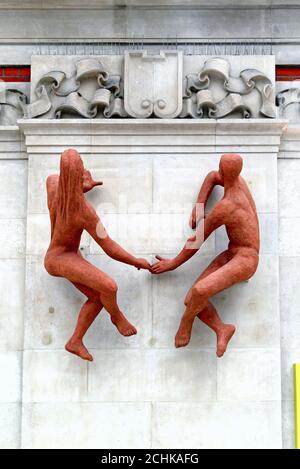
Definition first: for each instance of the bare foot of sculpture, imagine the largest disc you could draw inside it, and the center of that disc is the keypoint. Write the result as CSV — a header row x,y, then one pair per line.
x,y
123,326
77,348
223,338
183,335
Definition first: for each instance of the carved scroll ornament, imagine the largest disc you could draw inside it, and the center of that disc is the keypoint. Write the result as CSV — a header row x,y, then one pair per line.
x,y
58,94
12,103
287,100
201,94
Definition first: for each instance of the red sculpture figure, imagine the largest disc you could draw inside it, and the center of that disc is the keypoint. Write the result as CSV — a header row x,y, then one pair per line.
x,y
70,214
239,262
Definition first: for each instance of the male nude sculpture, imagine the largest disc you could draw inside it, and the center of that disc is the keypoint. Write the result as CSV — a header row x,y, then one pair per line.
x,y
239,262
70,214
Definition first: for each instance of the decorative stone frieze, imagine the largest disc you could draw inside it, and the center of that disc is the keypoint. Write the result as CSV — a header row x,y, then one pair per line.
x,y
168,85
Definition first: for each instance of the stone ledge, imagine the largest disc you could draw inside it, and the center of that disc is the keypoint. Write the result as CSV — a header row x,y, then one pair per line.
x,y
11,143
148,136
38,126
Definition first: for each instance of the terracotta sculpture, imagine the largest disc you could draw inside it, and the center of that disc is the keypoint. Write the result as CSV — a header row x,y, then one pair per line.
x,y
239,262
70,214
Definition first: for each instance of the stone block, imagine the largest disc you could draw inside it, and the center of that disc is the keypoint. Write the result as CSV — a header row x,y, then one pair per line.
x,y
53,376
12,274
10,369
10,423
13,196
12,238
288,184
249,375
289,301
86,425
288,358
217,425
289,236
288,427
151,375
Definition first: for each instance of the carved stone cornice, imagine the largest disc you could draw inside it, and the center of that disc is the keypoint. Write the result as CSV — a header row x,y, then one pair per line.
x,y
127,136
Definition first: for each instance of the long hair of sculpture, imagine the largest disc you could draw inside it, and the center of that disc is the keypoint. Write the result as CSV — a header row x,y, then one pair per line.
x,y
70,215
237,211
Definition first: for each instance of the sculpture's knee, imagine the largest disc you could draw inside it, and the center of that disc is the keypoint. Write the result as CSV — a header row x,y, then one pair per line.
x,y
112,287
198,292
188,297
108,288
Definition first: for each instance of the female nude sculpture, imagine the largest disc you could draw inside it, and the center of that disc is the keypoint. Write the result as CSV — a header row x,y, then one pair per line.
x,y
239,262
70,214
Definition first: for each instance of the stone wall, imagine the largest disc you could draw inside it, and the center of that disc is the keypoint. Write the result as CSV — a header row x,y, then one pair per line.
x,y
289,250
13,207
176,398
30,28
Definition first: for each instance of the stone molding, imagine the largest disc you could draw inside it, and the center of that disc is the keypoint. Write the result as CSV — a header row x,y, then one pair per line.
x,y
11,143
290,143
127,136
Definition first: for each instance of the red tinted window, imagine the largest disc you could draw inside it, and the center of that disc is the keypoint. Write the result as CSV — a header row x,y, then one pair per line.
x,y
287,72
15,73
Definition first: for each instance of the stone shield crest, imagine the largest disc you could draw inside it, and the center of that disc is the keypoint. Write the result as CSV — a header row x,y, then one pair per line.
x,y
153,84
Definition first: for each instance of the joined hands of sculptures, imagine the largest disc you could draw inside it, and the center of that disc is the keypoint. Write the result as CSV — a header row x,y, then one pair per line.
x,y
237,211
70,215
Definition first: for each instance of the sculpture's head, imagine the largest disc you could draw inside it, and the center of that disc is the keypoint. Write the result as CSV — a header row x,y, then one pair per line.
x,y
230,166
70,187
71,169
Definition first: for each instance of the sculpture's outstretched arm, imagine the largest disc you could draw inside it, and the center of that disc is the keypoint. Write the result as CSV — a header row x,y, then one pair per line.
x,y
95,228
213,221
212,179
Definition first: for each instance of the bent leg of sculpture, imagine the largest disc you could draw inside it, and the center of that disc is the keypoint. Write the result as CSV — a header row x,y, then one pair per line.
x,y
109,301
224,332
233,272
87,315
209,314
98,286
